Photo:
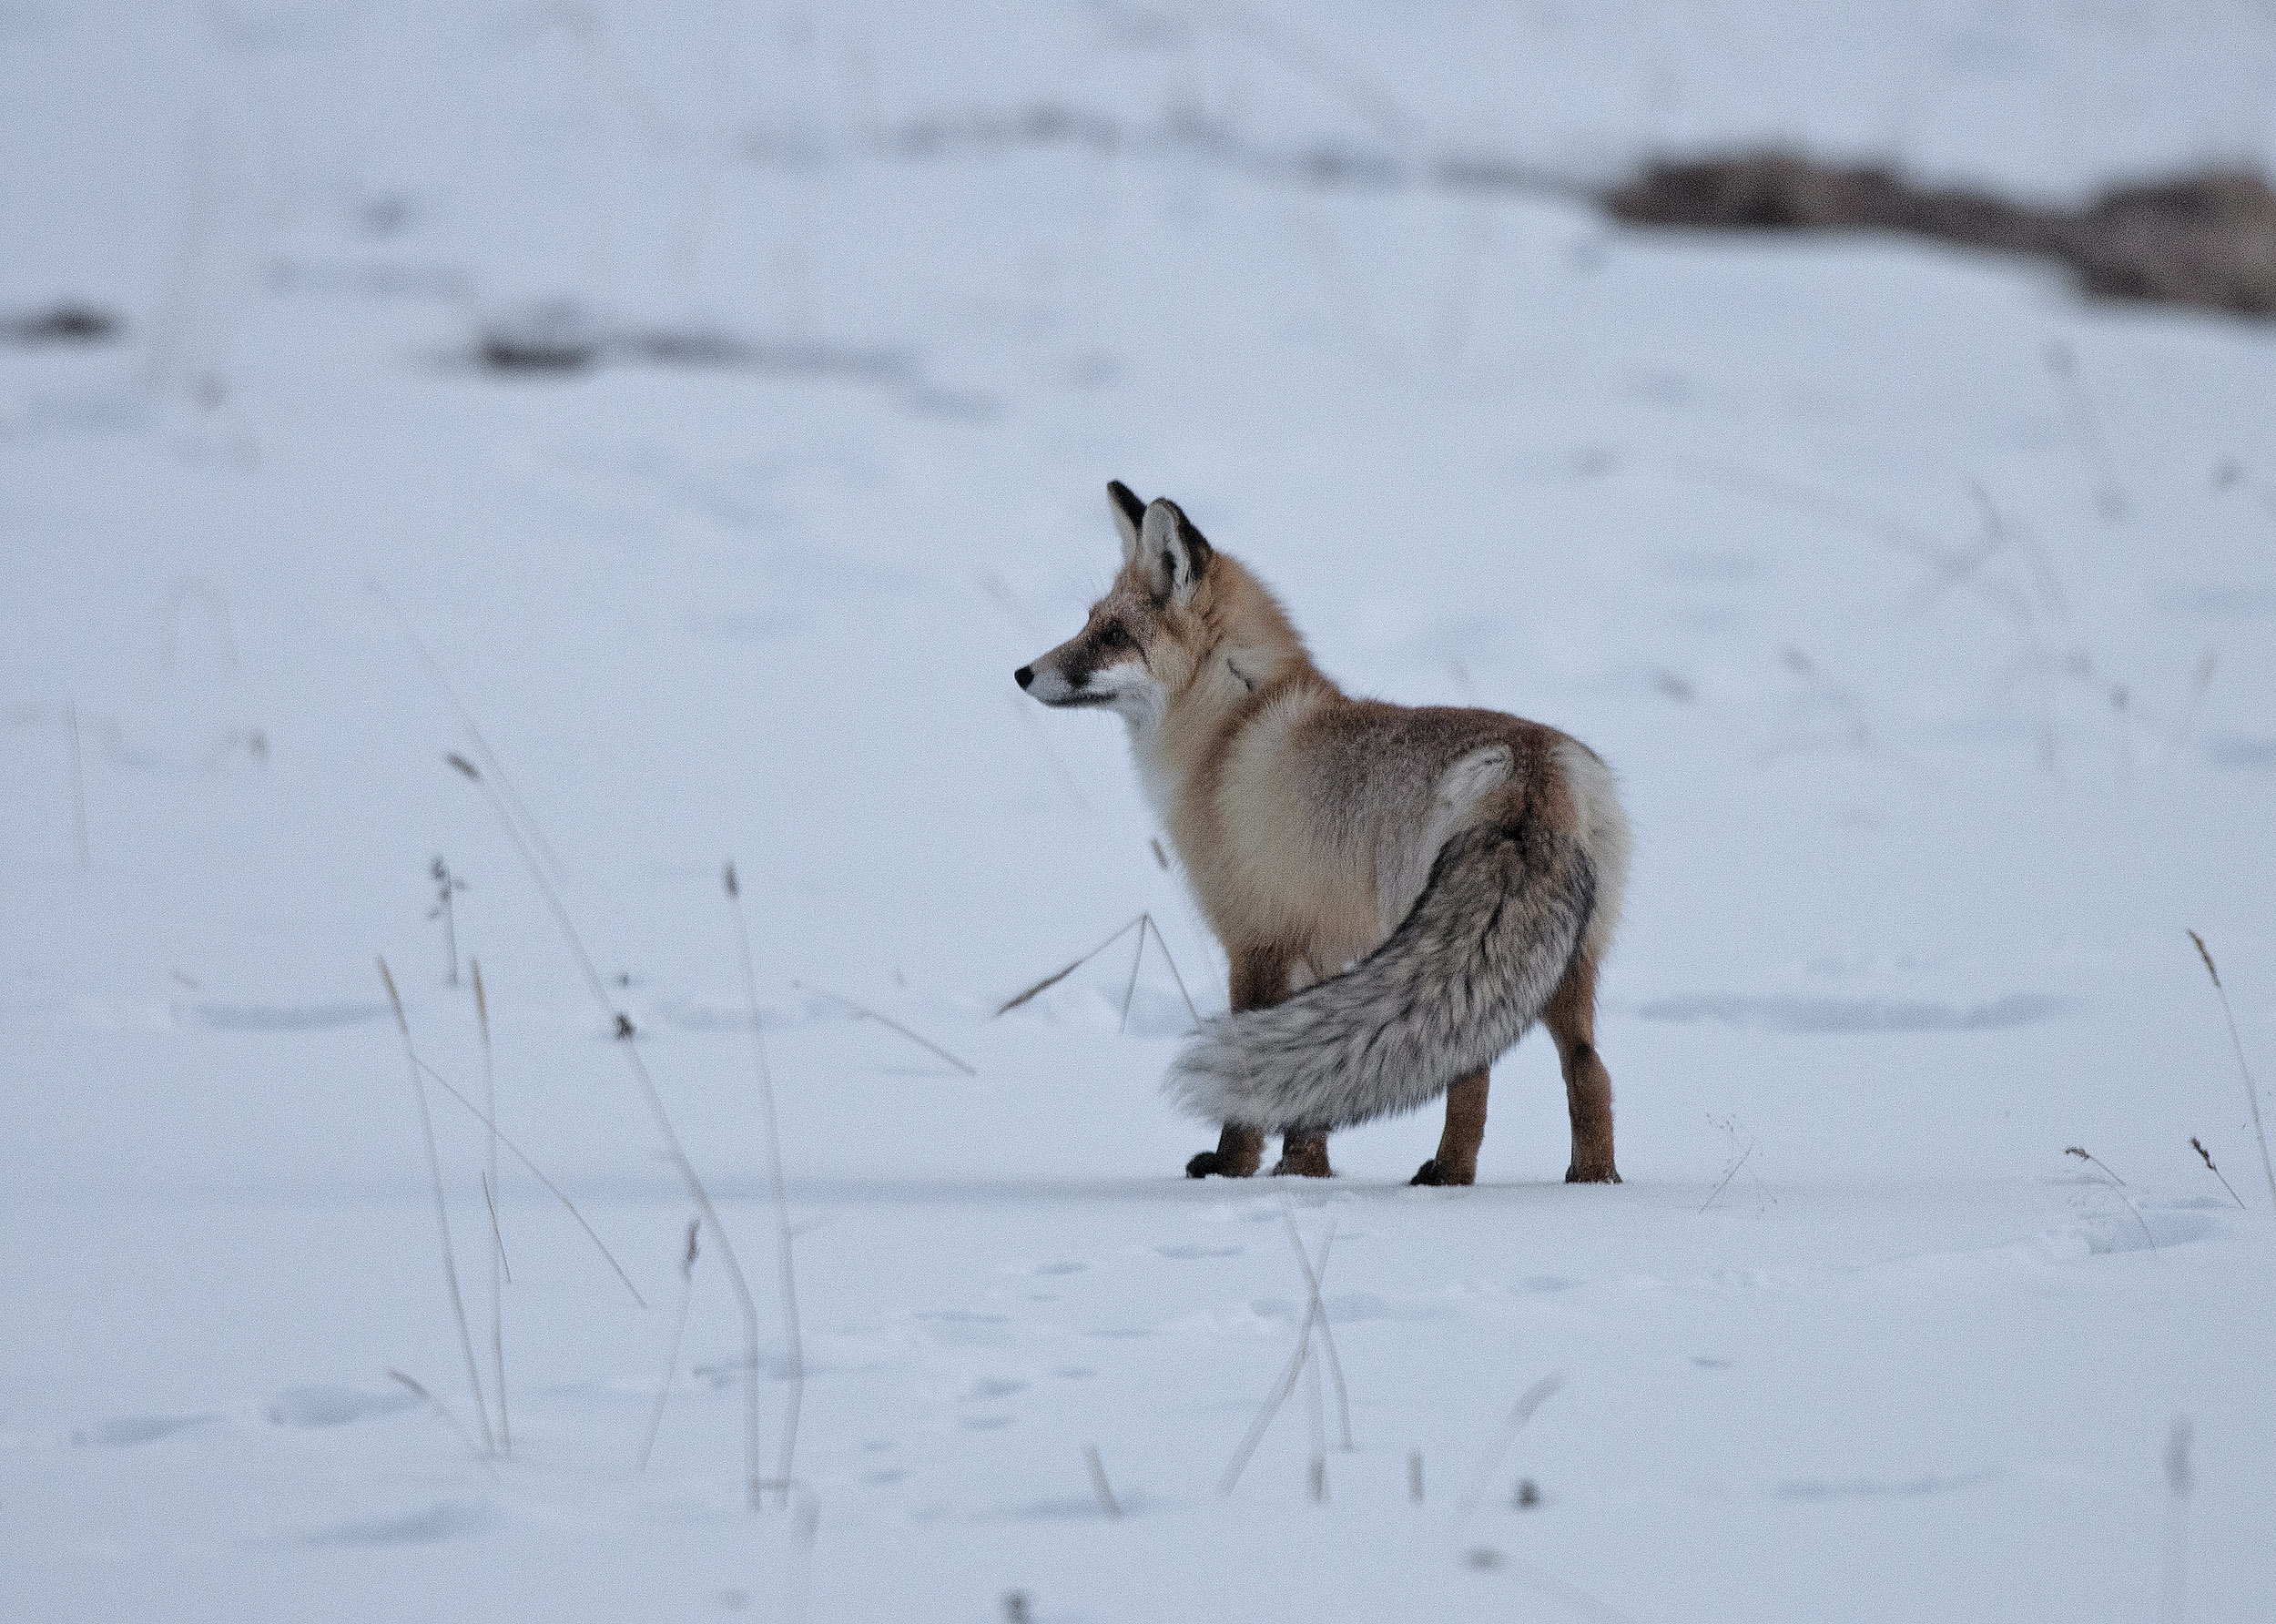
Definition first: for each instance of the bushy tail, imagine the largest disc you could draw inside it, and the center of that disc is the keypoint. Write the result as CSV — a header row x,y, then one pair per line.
x,y
1466,973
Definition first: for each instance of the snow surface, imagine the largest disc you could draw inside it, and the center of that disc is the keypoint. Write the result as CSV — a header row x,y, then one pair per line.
x,y
1926,611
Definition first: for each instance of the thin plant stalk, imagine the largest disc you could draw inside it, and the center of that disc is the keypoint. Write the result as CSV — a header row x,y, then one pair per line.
x,y
497,1235
441,1211
2251,1090
2206,1156
1056,975
79,782
679,1330
1531,1399
868,1014
1315,1420
662,1119
538,1173
1163,943
1286,1384
482,746
1099,1485
1137,961
785,1266
2118,1187
1328,1333
1142,924
498,1270
419,1390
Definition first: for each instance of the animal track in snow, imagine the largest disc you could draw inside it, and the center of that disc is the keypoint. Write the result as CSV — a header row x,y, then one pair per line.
x,y
450,1519
125,1431
331,1407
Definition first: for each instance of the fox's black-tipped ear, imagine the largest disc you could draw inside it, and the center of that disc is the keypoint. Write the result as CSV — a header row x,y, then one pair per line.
x,y
1175,554
1129,514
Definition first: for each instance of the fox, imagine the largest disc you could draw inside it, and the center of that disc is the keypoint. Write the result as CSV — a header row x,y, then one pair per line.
x,y
1401,892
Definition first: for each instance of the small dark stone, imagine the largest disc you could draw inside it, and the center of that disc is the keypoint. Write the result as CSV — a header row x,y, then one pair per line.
x,y
66,323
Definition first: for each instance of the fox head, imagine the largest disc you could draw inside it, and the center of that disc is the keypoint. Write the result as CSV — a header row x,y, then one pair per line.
x,y
1182,620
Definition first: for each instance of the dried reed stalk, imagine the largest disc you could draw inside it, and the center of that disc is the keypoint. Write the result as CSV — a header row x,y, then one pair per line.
x,y
420,1391
538,1173
499,1273
1099,1485
786,1276
629,1048
2117,1187
441,1211
1531,1399
866,1013
1312,1314
679,1329
2251,1090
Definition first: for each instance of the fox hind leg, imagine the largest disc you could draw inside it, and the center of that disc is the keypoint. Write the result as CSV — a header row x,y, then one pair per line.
x,y
1238,1151
1457,1160
1571,1018
1260,979
1303,1154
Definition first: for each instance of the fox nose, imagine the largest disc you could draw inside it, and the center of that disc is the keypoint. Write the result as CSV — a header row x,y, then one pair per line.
x,y
1024,675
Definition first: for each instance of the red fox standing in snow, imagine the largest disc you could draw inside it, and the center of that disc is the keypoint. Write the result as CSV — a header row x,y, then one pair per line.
x,y
1402,892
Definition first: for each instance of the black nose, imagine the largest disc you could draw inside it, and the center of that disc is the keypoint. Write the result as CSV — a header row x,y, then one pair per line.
x,y
1024,675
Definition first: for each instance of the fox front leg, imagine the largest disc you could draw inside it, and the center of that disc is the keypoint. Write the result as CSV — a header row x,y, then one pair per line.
x,y
1259,980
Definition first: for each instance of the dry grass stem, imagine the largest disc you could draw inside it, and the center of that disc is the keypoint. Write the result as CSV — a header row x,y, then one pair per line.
x,y
679,1330
1729,1173
78,784
2117,1187
1056,975
419,1391
441,1211
1319,1310
2251,1090
498,1240
2206,1156
466,719
1142,924
866,1013
1316,1429
1531,1399
786,1278
1099,1485
662,1119
538,1173
1287,1383
501,1272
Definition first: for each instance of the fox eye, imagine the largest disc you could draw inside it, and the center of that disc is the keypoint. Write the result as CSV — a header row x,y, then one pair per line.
x,y
1114,637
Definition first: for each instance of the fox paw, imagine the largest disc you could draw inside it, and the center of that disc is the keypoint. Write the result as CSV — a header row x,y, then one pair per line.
x,y
1428,1173
1215,1162
1605,1173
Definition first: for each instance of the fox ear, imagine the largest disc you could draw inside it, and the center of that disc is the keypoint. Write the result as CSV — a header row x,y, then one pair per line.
x,y
1174,554
1129,514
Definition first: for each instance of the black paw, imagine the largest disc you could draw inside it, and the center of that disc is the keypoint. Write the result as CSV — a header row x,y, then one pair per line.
x,y
1573,1176
1203,1166
1428,1173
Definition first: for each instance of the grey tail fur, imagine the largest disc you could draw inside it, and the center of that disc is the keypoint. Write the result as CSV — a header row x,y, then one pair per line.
x,y
1466,973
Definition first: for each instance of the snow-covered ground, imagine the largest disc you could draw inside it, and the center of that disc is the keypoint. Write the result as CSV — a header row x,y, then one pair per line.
x,y
1928,614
